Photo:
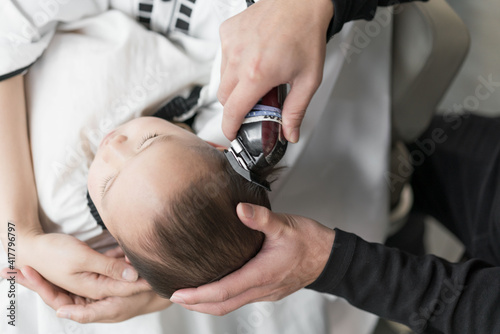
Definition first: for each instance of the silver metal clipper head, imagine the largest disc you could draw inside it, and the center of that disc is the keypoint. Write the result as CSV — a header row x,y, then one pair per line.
x,y
259,143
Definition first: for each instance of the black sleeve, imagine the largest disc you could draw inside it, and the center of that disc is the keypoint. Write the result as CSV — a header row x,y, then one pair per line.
x,y
350,10
426,293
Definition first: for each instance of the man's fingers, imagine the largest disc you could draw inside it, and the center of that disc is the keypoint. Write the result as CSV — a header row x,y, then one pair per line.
x,y
295,107
220,291
223,93
237,283
117,269
238,104
227,83
228,306
257,294
260,218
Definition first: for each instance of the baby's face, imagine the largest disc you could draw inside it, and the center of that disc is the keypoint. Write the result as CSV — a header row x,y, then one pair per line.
x,y
136,170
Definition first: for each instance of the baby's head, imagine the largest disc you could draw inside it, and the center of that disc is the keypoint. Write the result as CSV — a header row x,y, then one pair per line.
x,y
169,198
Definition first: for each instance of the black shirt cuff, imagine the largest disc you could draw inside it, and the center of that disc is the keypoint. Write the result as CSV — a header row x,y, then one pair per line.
x,y
338,262
350,10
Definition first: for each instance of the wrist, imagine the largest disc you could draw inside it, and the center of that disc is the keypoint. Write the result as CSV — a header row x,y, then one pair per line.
x,y
325,11
20,239
21,211
324,252
319,246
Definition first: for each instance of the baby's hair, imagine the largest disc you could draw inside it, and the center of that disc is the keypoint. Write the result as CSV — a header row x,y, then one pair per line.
x,y
198,238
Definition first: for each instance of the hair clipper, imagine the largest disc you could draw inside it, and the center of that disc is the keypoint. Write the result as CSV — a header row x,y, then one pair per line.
x,y
259,143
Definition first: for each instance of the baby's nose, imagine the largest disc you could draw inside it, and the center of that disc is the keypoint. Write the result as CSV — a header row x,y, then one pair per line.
x,y
118,139
119,150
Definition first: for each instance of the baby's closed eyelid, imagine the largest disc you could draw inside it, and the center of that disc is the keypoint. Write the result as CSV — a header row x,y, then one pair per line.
x,y
105,184
146,138
159,138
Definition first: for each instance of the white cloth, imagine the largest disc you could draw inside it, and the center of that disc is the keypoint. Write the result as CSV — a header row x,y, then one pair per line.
x,y
102,71
27,27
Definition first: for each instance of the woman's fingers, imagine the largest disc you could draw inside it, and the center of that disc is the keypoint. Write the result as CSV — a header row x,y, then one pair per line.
x,y
116,252
113,309
52,295
15,274
100,286
85,313
108,266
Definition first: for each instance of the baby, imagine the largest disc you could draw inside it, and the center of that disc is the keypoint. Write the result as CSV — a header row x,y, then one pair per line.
x,y
169,199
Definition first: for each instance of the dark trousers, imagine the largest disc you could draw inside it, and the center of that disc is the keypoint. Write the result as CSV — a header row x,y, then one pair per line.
x,y
457,180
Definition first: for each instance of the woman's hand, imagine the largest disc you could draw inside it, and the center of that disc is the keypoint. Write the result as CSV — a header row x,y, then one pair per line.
x,y
294,253
270,43
85,310
73,266
62,259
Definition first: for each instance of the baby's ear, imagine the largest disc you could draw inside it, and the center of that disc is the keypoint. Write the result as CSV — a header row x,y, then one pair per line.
x,y
217,146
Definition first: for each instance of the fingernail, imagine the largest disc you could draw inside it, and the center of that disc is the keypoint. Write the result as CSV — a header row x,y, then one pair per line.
x,y
177,300
63,314
294,137
247,210
129,275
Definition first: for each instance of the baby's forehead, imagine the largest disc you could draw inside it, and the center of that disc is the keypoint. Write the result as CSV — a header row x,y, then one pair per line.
x,y
147,188
164,170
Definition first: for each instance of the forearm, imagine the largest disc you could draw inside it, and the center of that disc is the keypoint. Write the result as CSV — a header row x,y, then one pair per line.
x,y
18,197
425,293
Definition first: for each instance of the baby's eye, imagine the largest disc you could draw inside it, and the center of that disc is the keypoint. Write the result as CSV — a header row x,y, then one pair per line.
x,y
146,138
104,184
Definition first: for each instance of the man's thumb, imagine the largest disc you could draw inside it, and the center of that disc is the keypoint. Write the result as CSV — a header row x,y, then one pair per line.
x,y
259,218
294,111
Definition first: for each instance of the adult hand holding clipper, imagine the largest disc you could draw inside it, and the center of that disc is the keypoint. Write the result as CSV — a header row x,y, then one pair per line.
x,y
270,43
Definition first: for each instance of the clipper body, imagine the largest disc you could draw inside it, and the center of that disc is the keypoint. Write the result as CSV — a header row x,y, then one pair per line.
x,y
259,143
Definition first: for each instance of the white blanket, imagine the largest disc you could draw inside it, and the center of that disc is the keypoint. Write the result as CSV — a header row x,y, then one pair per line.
x,y
102,71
